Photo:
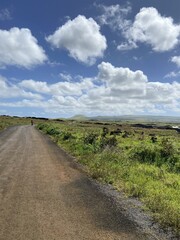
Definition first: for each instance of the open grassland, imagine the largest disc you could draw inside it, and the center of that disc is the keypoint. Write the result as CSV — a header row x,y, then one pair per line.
x,y
7,121
144,163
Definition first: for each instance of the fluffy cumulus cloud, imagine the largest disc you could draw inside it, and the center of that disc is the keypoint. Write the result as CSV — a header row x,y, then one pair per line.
x,y
113,91
162,93
125,92
9,91
151,28
65,88
122,81
81,37
20,48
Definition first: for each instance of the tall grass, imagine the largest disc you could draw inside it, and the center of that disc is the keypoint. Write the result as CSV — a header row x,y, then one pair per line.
x,y
6,121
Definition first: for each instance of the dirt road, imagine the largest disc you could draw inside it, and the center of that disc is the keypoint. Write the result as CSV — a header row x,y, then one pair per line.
x,y
43,195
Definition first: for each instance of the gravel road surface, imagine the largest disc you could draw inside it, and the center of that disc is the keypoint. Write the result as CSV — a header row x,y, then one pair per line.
x,y
43,194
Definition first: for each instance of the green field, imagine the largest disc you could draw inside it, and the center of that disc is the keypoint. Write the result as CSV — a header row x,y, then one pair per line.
x,y
141,162
7,121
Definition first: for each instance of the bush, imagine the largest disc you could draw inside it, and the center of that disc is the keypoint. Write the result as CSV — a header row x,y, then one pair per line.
x,y
168,149
146,154
108,142
90,138
163,154
105,131
67,136
52,131
41,126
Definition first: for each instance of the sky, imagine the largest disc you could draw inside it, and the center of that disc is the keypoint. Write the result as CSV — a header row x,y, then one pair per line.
x,y
90,57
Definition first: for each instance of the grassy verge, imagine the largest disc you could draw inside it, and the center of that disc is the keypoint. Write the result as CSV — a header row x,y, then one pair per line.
x,y
141,167
7,121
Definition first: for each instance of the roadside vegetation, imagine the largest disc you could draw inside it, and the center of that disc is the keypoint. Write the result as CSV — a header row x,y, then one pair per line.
x,y
143,163
7,121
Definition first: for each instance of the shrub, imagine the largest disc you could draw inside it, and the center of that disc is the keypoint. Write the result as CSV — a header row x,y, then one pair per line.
x,y
52,131
146,154
163,154
167,149
41,126
108,142
105,131
66,136
90,138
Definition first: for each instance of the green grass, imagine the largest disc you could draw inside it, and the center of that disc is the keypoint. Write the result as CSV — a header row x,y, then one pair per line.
x,y
134,164
7,121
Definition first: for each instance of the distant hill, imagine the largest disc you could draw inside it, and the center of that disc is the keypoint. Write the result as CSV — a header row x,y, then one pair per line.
x,y
129,118
80,118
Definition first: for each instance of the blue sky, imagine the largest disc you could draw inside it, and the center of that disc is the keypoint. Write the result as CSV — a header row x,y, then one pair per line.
x,y
101,57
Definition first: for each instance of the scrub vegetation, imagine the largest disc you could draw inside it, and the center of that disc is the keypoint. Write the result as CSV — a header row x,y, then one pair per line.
x,y
7,121
143,163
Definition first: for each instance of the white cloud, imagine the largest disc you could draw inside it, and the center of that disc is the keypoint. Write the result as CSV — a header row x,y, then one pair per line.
x,y
9,90
65,88
54,63
18,47
151,28
172,74
176,60
115,16
124,91
65,77
161,93
127,46
123,81
36,86
81,37
113,91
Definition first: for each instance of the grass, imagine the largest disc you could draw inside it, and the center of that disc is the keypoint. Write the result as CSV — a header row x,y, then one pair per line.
x,y
130,161
7,121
